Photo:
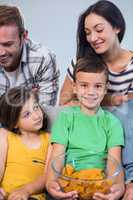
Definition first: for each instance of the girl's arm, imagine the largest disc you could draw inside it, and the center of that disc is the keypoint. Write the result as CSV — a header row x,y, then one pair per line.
x,y
35,187
3,156
117,190
51,182
3,151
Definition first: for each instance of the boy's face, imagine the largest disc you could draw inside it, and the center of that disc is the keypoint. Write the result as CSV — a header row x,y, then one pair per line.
x,y
90,89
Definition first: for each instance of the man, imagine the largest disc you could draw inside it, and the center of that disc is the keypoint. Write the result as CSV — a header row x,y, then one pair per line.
x,y
25,63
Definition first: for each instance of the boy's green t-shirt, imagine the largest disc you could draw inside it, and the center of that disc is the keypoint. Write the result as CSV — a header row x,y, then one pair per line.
x,y
81,133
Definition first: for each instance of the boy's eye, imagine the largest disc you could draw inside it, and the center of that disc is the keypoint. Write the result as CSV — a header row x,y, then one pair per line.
x,y
83,85
98,86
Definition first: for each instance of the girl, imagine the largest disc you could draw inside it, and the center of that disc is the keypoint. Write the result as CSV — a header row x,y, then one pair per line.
x,y
24,148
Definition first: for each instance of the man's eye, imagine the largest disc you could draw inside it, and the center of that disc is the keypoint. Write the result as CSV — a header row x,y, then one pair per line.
x,y
8,44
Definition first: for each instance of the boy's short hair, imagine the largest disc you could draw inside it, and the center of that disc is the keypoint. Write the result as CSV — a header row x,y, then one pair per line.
x,y
90,65
10,15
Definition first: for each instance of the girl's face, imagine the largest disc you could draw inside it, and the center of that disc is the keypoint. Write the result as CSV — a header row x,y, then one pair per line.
x,y
31,117
100,34
90,89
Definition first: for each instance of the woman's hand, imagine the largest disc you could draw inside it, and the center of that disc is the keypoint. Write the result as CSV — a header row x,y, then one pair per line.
x,y
55,190
116,191
117,100
129,192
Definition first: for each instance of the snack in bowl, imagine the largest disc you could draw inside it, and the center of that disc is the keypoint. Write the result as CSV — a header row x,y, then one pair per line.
x,y
86,181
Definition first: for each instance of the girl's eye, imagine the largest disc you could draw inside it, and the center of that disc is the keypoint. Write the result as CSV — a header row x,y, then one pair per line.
x,y
26,115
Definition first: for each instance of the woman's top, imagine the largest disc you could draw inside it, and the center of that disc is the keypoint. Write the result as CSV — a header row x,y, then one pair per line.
x,y
119,82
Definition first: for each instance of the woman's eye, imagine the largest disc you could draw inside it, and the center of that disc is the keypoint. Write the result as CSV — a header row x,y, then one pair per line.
x,y
87,33
99,30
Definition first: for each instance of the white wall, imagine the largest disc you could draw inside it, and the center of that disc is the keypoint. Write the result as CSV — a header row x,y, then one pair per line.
x,y
54,22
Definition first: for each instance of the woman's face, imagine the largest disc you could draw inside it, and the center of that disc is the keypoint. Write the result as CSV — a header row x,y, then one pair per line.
x,y
100,34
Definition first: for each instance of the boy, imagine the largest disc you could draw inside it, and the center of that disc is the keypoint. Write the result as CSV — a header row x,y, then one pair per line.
x,y
87,127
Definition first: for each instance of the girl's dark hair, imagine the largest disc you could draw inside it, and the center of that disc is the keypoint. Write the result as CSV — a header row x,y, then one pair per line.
x,y
11,104
105,9
90,65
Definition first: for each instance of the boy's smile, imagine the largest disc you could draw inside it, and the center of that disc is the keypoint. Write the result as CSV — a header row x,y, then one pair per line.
x,y
90,89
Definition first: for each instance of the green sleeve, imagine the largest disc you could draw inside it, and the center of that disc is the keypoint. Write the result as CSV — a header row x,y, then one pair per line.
x,y
115,132
60,129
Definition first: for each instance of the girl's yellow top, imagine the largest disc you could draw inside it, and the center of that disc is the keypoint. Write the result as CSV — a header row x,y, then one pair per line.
x,y
24,165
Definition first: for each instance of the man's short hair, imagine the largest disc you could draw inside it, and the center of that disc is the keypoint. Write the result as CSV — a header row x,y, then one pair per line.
x,y
10,15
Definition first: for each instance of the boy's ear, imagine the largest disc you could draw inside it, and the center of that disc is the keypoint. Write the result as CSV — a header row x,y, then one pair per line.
x,y
107,84
74,87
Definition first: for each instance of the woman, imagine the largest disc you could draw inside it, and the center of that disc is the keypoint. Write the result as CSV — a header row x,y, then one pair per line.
x,y
100,31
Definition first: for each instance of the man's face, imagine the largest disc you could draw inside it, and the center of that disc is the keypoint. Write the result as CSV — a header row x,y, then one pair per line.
x,y
10,47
